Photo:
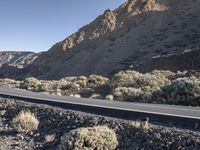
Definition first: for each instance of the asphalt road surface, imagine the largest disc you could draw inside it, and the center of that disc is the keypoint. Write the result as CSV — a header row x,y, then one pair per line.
x,y
125,110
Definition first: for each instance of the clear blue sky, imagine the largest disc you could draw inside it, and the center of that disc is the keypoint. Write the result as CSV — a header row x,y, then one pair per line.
x,y
35,25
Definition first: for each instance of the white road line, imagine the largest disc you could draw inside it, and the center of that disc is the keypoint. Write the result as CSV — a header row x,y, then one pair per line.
x,y
145,105
135,110
177,108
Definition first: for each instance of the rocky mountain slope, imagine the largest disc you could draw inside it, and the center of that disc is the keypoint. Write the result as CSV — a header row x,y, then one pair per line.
x,y
18,59
128,37
12,62
187,60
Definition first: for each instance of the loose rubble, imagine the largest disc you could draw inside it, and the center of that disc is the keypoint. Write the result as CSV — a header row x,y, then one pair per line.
x,y
56,123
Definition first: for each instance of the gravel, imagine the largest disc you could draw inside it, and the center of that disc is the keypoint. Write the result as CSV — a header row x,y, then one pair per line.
x,y
54,122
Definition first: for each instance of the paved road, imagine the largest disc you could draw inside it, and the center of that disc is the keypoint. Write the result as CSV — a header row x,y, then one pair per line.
x,y
119,108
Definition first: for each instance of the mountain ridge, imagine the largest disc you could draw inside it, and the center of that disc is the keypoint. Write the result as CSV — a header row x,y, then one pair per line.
x,y
17,58
126,37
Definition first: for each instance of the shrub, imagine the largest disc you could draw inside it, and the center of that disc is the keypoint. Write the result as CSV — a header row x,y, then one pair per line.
x,y
184,91
63,84
2,113
137,80
46,86
49,137
95,80
10,83
25,122
128,94
152,81
134,86
58,92
192,73
91,138
124,79
72,79
7,81
163,73
71,87
141,125
31,84
81,81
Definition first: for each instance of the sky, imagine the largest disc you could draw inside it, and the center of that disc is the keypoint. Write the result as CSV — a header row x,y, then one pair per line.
x,y
36,25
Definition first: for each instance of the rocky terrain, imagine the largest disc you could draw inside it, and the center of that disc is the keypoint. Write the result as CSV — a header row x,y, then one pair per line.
x,y
158,86
11,63
56,130
144,51
131,36
17,59
187,60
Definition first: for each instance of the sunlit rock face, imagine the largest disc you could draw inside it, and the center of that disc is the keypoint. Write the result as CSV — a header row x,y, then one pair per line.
x,y
128,37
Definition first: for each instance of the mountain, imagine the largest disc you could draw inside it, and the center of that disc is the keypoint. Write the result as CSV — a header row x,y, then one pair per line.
x,y
18,59
187,60
11,61
131,36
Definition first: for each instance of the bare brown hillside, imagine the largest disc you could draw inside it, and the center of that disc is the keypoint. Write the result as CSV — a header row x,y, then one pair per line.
x,y
126,37
185,61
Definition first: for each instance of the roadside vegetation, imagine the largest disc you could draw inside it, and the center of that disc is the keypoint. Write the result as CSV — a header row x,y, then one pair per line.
x,y
25,122
99,137
164,87
30,126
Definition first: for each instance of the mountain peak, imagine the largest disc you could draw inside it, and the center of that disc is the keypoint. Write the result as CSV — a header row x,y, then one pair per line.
x,y
130,35
135,7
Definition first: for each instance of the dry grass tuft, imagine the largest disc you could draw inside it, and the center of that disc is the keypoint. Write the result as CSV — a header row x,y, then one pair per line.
x,y
25,122
141,125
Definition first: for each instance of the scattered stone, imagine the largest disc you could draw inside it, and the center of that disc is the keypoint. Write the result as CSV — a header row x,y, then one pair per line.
x,y
2,113
56,122
110,97
50,137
